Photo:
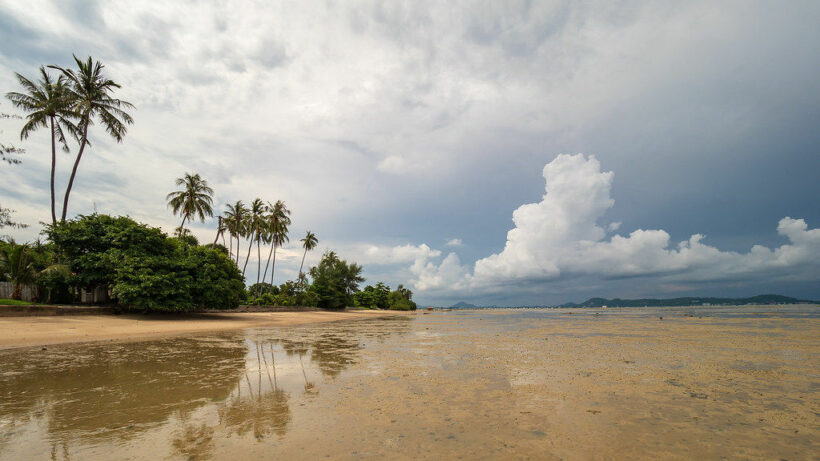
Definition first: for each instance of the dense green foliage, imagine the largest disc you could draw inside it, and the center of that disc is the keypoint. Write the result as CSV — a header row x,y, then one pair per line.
x,y
17,265
335,280
380,297
373,297
144,268
290,293
25,264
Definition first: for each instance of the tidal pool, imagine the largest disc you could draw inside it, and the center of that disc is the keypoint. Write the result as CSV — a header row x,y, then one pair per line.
x,y
709,383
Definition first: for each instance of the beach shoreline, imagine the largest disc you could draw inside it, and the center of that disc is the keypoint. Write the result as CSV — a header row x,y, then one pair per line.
x,y
37,331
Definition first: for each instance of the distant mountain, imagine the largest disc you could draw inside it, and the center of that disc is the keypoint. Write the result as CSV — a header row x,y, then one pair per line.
x,y
688,301
463,305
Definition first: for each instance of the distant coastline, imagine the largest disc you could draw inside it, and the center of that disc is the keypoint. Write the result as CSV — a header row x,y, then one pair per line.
x,y
768,299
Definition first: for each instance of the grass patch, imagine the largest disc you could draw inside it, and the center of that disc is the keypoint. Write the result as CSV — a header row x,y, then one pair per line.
x,y
14,302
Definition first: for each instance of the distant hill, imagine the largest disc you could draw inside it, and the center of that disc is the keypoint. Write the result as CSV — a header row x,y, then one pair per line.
x,y
463,305
688,301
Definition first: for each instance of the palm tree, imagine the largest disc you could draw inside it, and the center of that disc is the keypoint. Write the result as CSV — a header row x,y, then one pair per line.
x,y
253,227
17,265
220,230
235,216
263,235
278,221
48,105
195,198
90,94
308,243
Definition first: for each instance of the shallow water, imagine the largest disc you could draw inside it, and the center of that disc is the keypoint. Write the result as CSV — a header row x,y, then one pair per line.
x,y
543,384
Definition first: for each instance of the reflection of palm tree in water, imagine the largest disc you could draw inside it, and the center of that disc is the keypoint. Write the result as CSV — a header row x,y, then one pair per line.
x,y
54,450
309,387
261,412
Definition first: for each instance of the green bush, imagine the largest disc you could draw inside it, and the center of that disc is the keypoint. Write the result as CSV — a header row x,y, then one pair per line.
x,y
373,297
380,297
290,293
334,281
144,267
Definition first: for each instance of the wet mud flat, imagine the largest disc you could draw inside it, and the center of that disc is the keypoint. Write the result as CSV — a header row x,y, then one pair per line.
x,y
736,383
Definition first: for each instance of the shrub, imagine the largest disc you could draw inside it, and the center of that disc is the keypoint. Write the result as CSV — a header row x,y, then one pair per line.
x,y
334,281
144,267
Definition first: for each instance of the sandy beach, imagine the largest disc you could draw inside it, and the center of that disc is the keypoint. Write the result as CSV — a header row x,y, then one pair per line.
x,y
48,330
580,384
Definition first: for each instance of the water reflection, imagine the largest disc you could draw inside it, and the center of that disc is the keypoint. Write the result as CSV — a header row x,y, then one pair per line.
x,y
184,393
116,390
263,409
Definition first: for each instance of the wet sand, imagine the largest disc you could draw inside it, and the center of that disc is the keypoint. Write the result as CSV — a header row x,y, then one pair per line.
x,y
49,330
740,383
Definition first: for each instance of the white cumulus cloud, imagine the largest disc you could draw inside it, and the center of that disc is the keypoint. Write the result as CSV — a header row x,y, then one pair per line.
x,y
560,237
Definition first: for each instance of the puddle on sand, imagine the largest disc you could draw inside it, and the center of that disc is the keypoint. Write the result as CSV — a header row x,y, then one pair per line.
x,y
481,384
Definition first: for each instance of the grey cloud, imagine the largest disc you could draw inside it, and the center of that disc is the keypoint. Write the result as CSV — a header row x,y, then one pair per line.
x,y
705,111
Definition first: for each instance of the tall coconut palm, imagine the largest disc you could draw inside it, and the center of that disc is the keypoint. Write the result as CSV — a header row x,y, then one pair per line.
x,y
194,199
254,225
90,94
235,217
278,221
49,106
17,265
308,243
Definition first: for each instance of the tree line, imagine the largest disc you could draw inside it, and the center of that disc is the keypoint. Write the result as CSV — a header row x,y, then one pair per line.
x,y
140,266
260,223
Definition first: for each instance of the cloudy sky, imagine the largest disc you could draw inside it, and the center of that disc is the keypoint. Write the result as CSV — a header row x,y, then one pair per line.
x,y
497,153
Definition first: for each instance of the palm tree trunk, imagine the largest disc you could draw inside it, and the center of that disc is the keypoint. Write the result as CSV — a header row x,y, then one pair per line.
x,y
184,217
267,263
273,266
250,247
258,259
74,170
303,261
18,291
218,230
53,167
237,251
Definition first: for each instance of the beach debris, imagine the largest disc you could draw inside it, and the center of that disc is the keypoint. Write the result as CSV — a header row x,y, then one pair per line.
x,y
697,395
660,318
594,412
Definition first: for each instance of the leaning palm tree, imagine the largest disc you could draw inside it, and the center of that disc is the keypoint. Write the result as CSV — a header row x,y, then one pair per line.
x,y
90,94
17,264
194,199
253,227
49,106
278,221
308,243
